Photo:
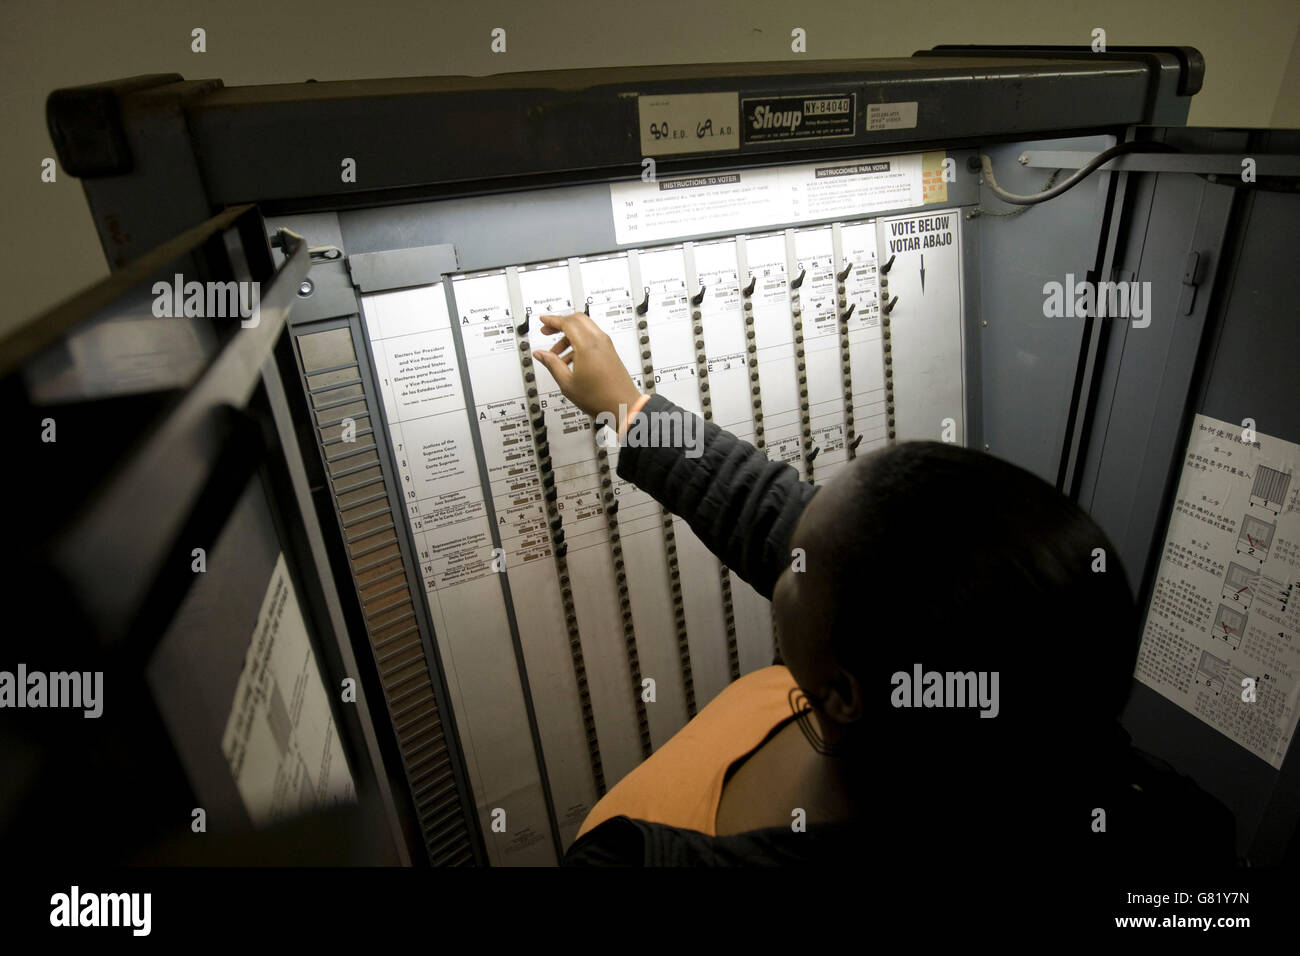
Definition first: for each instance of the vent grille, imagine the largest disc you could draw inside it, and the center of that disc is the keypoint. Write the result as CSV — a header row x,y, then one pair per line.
x,y
345,433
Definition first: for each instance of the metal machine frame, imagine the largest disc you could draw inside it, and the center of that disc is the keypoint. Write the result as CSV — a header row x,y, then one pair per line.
x,y
431,154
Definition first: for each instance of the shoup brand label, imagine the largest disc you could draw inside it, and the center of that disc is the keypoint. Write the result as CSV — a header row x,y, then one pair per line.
x,y
766,119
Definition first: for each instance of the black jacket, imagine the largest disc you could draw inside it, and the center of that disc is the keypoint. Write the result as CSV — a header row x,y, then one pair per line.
x,y
741,505
744,508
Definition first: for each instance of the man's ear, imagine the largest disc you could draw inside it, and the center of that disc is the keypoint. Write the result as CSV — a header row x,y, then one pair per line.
x,y
843,701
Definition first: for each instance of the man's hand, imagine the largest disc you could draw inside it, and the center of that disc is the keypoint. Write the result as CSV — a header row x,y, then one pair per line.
x,y
586,367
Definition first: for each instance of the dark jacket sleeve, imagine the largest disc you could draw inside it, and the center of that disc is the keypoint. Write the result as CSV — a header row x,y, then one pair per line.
x,y
743,506
622,841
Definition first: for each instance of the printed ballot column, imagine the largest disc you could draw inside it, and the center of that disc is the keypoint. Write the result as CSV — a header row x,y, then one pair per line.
x,y
817,333
860,293
672,340
646,573
545,289
411,338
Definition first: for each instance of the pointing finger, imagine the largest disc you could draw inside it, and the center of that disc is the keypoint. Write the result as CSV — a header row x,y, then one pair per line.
x,y
558,368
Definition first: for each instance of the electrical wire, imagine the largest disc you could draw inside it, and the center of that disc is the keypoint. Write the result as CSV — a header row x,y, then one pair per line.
x,y
1105,156
1008,213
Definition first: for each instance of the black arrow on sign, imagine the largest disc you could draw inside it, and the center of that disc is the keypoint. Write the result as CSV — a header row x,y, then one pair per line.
x,y
923,272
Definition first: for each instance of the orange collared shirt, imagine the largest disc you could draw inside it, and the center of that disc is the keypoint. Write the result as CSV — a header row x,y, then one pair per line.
x,y
681,784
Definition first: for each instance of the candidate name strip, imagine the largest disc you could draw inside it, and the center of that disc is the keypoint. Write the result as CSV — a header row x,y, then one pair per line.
x,y
486,319
726,347
663,272
868,338
776,373
817,339
648,577
418,378
547,288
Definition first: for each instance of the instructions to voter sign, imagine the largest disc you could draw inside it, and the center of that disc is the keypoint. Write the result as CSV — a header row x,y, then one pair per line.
x,y
1222,635
675,207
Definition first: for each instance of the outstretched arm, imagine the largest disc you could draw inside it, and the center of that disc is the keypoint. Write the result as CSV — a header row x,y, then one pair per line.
x,y
741,505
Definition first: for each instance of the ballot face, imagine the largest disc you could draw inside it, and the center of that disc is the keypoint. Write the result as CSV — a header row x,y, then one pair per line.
x,y
579,624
